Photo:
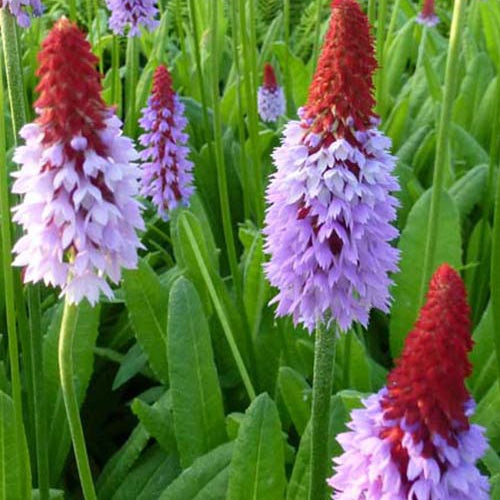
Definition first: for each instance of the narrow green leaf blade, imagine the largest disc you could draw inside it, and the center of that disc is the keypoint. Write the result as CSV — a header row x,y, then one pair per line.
x,y
196,395
257,468
146,302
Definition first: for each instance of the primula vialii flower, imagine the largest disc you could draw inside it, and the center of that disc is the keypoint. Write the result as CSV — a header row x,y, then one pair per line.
x,y
132,13
270,97
77,177
413,439
167,176
328,225
21,10
427,16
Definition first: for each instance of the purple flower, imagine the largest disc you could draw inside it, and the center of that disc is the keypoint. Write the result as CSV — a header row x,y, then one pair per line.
x,y
78,178
328,223
270,97
134,13
368,467
20,9
427,16
167,177
413,439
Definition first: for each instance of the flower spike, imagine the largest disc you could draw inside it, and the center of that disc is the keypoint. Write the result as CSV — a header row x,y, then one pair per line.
x,y
167,174
78,178
132,13
328,223
270,97
413,439
427,16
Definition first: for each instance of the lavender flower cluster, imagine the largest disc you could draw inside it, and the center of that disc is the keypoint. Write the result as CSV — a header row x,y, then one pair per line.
x,y
166,172
21,10
132,13
328,226
271,103
88,212
366,468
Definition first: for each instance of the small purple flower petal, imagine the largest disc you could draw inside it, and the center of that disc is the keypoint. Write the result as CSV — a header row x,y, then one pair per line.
x,y
132,13
21,10
271,103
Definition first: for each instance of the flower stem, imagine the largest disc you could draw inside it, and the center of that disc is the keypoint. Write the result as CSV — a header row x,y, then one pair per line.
x,y
286,38
8,273
66,336
132,65
495,257
245,173
317,33
442,142
219,156
115,83
199,73
324,353
253,119
381,21
30,333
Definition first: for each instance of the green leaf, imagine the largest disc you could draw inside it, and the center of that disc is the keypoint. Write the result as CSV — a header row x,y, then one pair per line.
x,y
149,478
486,414
483,357
196,395
146,302
117,467
466,146
296,394
257,468
206,479
15,473
359,372
83,360
133,362
470,189
158,421
412,245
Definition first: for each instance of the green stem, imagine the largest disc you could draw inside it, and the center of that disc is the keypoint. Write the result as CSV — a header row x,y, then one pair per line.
x,y
13,69
253,119
371,12
219,308
66,373
132,65
382,14
199,73
72,10
442,141
219,155
115,84
324,353
286,29
495,256
317,32
42,452
347,358
180,31
392,24
245,174
8,272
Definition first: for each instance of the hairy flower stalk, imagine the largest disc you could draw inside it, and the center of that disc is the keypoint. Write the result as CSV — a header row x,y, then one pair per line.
x,y
413,439
328,223
132,13
427,16
78,177
270,97
22,9
167,174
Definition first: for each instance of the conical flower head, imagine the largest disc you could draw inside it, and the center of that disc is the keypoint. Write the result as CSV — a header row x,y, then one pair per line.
x,y
132,14
270,98
77,178
167,173
427,16
328,224
413,439
21,10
